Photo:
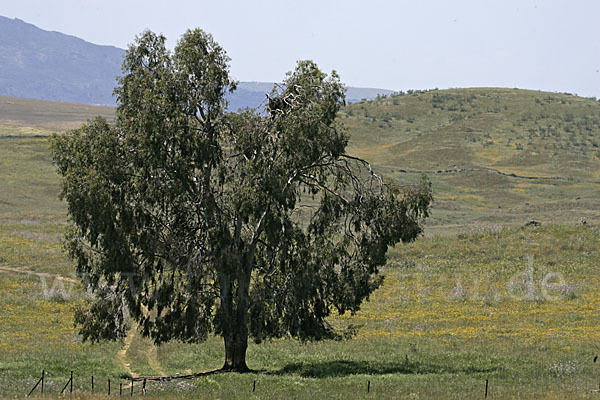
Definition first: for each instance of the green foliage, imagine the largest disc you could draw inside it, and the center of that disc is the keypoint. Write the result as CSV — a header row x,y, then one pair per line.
x,y
196,221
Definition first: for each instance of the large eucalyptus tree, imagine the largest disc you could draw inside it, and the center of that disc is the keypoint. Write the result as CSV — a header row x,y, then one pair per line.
x,y
191,221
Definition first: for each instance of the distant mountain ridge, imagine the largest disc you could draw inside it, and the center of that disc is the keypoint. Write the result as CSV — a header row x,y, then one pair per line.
x,y
39,64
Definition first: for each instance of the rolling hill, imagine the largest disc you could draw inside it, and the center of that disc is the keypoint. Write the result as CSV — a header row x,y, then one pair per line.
x,y
494,156
39,64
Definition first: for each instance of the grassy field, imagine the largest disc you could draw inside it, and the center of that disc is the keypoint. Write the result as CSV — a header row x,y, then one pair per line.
x,y
516,306
479,298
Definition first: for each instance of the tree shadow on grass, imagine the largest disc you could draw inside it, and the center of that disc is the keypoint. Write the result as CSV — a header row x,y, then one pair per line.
x,y
338,368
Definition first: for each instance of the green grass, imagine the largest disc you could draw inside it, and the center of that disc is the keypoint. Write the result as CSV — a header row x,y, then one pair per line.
x,y
29,182
453,312
480,297
37,333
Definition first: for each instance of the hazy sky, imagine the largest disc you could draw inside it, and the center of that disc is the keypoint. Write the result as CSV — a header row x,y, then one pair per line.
x,y
545,44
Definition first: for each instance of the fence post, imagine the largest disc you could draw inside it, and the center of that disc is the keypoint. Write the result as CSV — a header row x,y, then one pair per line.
x,y
64,387
486,388
43,373
109,386
70,381
92,384
131,386
36,385
144,387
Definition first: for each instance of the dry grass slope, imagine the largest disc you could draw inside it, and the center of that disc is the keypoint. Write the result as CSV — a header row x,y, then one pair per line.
x,y
46,116
494,155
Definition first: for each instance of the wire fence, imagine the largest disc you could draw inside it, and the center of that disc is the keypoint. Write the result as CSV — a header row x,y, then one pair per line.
x,y
127,388
140,386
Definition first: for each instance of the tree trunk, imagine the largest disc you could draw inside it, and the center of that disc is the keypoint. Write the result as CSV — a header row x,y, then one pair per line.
x,y
235,353
235,304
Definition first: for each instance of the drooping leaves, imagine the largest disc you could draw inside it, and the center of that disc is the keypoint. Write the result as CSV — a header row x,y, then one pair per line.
x,y
240,224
